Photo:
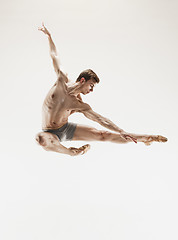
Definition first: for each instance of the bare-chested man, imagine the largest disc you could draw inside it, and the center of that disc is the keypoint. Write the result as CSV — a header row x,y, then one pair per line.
x,y
63,100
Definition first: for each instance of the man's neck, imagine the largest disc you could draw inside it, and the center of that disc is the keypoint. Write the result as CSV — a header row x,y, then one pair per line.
x,y
74,89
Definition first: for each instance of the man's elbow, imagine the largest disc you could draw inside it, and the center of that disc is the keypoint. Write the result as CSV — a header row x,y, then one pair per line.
x,y
53,55
86,109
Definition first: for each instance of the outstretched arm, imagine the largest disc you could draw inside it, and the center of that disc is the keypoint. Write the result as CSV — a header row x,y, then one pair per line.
x,y
53,51
105,122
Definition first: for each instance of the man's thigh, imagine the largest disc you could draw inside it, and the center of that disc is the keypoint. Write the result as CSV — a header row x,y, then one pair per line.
x,y
87,133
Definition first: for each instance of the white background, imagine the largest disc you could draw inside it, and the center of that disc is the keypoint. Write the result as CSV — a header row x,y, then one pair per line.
x,y
114,191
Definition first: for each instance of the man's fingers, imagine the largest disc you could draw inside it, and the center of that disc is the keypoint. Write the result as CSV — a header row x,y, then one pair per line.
x,y
133,139
124,137
44,26
41,29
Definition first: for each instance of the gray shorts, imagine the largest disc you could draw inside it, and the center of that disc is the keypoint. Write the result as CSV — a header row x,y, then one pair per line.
x,y
65,133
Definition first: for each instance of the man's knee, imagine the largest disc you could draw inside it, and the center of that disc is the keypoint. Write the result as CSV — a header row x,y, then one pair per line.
x,y
41,140
47,141
104,136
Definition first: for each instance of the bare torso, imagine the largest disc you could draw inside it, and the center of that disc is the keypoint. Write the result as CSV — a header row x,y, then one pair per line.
x,y
58,105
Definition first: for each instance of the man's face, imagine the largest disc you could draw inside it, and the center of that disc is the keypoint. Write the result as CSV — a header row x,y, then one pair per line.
x,y
87,86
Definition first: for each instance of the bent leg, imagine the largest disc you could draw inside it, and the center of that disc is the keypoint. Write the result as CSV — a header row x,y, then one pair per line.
x,y
50,142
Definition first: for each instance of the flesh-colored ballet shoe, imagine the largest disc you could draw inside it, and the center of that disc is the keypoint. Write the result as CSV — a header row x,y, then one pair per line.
x,y
157,138
85,148
162,139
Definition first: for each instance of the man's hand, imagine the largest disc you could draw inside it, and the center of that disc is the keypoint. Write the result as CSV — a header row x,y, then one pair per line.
x,y
127,136
44,29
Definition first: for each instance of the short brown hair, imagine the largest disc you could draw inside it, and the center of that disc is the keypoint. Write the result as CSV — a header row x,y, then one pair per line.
x,y
88,74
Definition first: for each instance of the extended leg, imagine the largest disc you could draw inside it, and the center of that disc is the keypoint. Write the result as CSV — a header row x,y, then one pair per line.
x,y
50,142
85,133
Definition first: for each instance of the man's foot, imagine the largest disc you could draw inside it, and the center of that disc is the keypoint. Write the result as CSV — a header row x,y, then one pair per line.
x,y
155,138
85,148
79,151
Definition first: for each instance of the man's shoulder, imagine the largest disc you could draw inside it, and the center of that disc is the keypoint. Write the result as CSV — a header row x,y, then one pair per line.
x,y
78,105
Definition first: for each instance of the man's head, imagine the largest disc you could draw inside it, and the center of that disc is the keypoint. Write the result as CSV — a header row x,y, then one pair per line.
x,y
88,80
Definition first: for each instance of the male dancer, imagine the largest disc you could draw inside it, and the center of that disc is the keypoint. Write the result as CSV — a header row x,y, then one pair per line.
x,y
64,99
